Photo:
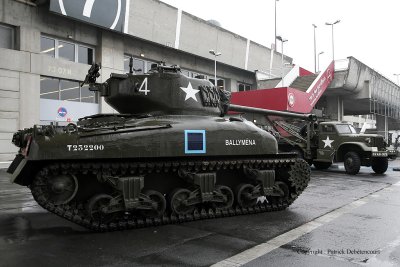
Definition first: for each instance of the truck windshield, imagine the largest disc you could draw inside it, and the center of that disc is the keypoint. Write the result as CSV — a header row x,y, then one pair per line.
x,y
345,129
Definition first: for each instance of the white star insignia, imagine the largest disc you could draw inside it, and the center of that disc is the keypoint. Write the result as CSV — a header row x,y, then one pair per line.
x,y
190,92
328,142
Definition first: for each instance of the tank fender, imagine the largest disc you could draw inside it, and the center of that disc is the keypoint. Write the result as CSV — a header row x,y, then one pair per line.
x,y
22,171
352,146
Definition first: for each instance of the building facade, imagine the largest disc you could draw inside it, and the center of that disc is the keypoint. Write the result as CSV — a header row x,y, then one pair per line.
x,y
44,55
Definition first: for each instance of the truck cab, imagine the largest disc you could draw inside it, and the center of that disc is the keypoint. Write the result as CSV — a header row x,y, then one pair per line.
x,y
340,142
323,143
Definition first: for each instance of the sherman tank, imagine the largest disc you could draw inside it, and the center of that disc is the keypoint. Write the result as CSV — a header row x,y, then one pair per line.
x,y
173,153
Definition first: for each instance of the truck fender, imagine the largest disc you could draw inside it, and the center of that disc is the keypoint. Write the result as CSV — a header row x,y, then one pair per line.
x,y
351,146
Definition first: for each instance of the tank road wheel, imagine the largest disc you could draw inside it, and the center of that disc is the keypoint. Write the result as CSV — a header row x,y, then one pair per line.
x,y
322,165
97,207
244,195
228,195
379,165
352,163
178,202
159,204
62,188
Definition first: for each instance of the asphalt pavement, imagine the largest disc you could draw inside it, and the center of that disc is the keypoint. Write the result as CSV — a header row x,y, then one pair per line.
x,y
339,220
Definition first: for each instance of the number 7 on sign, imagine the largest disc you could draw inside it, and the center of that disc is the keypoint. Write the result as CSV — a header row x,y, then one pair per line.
x,y
144,84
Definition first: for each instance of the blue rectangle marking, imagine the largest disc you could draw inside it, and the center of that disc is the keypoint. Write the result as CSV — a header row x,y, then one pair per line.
x,y
195,141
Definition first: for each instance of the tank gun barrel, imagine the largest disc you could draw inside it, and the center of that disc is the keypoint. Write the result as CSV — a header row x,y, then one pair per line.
x,y
268,112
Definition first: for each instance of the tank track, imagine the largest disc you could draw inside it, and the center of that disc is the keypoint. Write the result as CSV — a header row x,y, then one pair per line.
x,y
299,176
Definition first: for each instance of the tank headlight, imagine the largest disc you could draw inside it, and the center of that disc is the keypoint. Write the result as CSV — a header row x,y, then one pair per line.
x,y
368,140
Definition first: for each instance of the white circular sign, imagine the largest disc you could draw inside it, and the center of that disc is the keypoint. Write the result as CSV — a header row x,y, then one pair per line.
x,y
291,99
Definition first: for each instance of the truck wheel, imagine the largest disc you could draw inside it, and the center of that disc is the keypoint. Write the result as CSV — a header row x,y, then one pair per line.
x,y
352,163
322,165
379,165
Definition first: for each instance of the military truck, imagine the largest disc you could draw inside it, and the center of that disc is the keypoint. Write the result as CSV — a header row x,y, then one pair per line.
x,y
323,143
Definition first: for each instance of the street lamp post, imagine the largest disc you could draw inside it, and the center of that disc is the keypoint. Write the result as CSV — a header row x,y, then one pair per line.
x,y
216,54
397,75
275,25
333,43
280,38
320,53
315,50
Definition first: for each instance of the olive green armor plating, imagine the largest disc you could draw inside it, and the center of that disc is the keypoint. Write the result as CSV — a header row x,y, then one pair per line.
x,y
171,154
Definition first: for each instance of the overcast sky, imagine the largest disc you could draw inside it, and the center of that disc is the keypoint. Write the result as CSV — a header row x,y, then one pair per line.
x,y
369,29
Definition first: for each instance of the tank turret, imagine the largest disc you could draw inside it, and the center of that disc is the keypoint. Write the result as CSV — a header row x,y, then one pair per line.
x,y
172,154
165,90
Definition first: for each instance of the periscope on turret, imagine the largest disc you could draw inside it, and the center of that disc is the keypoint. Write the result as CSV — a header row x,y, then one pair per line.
x,y
172,153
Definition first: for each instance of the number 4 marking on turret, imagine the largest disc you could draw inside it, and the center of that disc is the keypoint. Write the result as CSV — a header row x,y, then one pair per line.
x,y
144,84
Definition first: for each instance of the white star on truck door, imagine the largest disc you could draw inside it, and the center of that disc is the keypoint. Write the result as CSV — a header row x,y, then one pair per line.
x,y
190,92
328,142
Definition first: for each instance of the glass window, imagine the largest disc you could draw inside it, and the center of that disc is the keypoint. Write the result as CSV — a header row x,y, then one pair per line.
x,y
148,64
69,90
54,96
71,95
328,128
52,88
47,46
352,129
138,65
68,85
126,64
144,66
87,95
345,128
48,85
85,55
221,83
66,51
243,87
6,37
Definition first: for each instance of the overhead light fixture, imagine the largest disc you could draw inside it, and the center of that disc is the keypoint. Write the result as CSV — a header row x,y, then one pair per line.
x,y
51,49
212,52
